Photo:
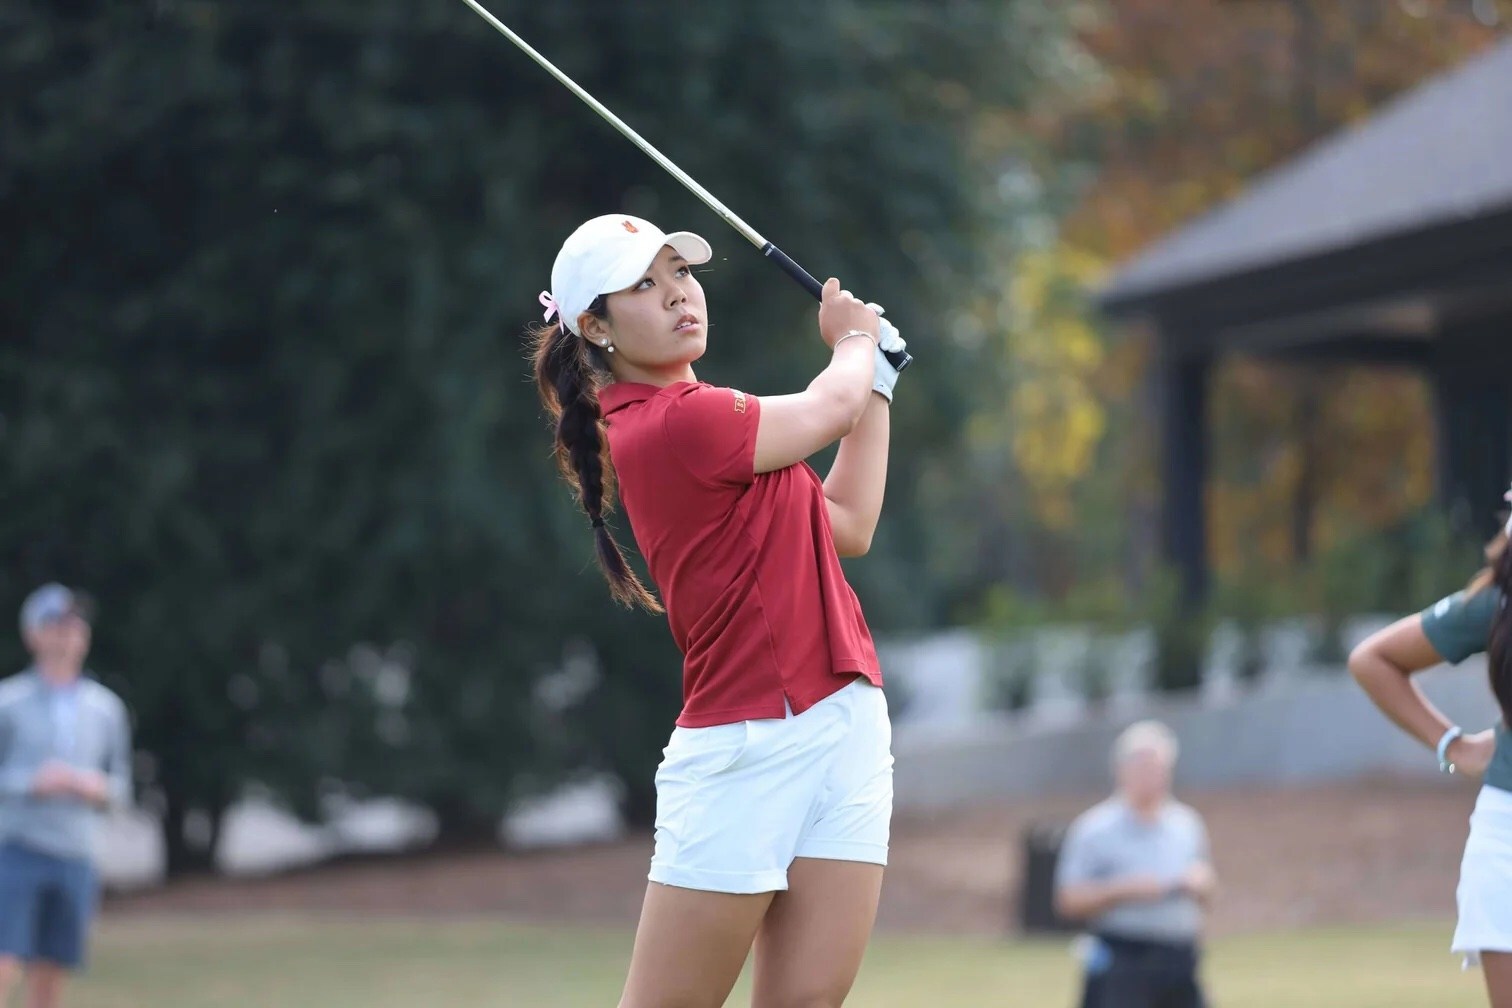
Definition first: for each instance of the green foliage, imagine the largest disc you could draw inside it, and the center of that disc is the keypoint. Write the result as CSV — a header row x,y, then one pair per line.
x,y
1182,631
1394,572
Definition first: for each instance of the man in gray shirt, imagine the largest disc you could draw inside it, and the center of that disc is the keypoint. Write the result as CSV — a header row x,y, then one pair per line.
x,y
65,755
1135,869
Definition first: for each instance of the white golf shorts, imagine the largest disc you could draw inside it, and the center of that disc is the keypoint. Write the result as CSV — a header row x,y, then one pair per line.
x,y
1485,885
736,803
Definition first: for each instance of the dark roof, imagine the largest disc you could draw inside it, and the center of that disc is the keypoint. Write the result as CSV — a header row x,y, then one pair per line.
x,y
1439,154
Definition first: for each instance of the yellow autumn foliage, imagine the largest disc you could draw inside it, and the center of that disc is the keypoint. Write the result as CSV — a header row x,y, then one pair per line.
x,y
1053,353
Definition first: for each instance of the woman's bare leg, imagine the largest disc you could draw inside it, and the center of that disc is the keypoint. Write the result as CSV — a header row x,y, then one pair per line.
x,y
690,947
1497,967
810,946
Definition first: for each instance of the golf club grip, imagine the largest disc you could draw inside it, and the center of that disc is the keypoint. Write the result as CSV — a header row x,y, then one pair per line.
x,y
899,360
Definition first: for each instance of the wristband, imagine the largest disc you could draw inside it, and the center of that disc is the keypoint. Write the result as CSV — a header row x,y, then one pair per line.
x,y
1443,748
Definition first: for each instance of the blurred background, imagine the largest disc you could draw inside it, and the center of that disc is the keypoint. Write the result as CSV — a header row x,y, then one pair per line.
x,y
1211,301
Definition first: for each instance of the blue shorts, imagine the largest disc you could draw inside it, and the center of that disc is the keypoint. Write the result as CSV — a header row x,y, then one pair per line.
x,y
46,904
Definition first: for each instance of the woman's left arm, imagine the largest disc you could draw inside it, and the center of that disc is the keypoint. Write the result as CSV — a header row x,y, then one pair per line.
x,y
857,481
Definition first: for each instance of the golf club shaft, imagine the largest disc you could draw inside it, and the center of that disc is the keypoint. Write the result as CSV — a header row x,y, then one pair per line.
x,y
750,234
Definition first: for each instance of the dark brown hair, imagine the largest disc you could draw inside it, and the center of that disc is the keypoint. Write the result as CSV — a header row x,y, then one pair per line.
x,y
568,372
1498,575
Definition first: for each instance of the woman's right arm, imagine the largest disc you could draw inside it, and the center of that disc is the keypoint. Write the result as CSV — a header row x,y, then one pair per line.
x,y
1384,664
793,427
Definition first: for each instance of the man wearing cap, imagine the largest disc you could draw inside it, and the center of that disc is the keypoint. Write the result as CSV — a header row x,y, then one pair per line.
x,y
1135,871
65,755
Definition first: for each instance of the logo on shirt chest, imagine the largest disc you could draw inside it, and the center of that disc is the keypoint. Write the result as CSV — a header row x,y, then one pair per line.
x,y
740,400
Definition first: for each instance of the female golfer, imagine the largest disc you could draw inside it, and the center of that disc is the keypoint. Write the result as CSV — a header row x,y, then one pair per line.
x,y
774,795
1466,623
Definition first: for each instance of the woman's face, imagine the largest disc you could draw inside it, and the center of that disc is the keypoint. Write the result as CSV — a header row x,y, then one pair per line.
x,y
657,326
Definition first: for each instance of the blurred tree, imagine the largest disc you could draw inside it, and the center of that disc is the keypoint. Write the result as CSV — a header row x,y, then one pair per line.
x,y
1056,418
1187,101
261,378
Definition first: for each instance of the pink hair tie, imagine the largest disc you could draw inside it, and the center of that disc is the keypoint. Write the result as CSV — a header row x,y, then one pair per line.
x,y
549,303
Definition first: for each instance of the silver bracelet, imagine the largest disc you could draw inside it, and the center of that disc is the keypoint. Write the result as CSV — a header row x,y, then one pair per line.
x,y
853,333
1443,748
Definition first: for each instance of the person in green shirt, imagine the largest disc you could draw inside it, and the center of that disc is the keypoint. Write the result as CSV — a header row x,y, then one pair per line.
x,y
1475,620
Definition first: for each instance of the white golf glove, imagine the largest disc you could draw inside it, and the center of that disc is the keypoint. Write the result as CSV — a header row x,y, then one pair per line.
x,y
889,339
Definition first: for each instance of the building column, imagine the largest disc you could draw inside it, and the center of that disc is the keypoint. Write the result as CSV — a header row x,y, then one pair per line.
x,y
1473,419
1183,394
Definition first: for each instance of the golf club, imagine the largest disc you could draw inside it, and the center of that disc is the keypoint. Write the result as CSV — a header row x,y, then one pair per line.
x,y
899,360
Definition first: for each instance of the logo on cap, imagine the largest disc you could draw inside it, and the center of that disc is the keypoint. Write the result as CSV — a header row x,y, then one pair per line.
x,y
631,227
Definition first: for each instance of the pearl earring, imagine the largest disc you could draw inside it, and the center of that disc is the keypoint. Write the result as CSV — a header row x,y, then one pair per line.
x,y
606,346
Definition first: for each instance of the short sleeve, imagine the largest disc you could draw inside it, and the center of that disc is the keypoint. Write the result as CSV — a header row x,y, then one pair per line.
x,y
1078,862
712,431
1460,625
1200,844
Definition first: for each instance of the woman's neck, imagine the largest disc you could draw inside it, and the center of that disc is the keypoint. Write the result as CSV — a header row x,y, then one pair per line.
x,y
661,378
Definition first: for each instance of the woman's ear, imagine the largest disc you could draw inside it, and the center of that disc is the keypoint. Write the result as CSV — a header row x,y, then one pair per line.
x,y
594,329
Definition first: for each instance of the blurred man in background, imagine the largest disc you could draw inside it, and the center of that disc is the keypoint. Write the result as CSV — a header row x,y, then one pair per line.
x,y
1135,870
65,755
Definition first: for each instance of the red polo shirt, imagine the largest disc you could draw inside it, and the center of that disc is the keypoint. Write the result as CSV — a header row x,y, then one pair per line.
x,y
745,562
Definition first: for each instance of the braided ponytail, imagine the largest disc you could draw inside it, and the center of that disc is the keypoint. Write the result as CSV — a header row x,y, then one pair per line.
x,y
565,371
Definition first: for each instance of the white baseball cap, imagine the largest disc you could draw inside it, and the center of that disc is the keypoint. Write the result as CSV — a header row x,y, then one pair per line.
x,y
608,254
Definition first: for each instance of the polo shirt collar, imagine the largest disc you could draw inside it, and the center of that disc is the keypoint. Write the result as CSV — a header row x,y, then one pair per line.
x,y
617,395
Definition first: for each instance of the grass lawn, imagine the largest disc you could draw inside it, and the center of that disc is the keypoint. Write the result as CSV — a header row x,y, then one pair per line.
x,y
199,962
